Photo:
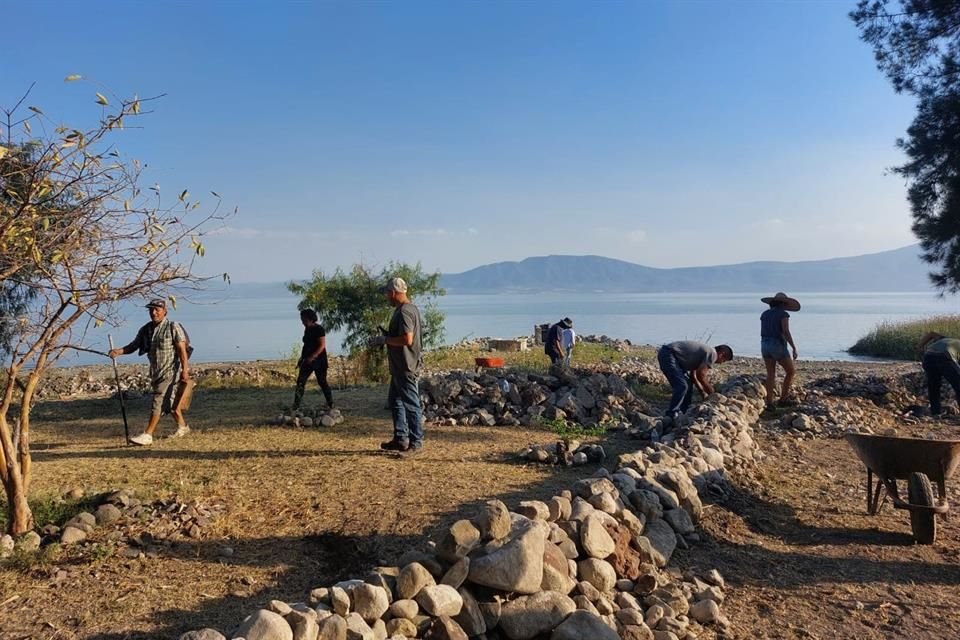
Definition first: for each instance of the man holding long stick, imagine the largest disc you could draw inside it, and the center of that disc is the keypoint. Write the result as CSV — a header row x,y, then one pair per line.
x,y
165,343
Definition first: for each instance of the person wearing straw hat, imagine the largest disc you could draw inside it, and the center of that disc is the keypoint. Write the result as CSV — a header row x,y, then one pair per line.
x,y
167,348
775,336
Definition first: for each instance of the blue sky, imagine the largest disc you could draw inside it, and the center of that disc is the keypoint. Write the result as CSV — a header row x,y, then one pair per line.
x,y
462,133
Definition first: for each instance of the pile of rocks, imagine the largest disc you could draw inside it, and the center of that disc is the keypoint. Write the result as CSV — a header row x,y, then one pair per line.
x,y
894,390
564,452
98,381
616,343
590,562
253,374
121,520
309,418
71,383
820,416
585,564
587,397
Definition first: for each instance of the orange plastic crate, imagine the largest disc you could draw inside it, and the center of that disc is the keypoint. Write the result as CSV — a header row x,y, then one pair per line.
x,y
490,363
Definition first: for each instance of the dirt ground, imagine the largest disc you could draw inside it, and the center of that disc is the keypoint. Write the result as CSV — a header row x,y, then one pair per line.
x,y
307,507
805,560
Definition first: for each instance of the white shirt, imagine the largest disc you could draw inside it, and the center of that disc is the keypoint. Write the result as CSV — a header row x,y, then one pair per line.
x,y
567,338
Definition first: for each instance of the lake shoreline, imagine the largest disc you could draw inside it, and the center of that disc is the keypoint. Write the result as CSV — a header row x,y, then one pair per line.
x,y
245,328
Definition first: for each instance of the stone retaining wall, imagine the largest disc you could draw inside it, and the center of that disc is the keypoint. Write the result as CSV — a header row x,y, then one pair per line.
x,y
588,397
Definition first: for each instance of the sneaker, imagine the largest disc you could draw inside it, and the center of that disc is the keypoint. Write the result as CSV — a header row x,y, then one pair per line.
x,y
395,445
144,439
181,431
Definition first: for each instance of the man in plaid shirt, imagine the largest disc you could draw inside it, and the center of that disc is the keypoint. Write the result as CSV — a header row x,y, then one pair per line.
x,y
165,344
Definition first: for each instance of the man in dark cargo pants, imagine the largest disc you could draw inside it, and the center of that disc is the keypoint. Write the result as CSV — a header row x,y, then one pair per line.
x,y
686,364
940,362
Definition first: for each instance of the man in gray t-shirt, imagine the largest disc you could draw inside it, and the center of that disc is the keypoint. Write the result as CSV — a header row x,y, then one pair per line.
x,y
404,355
685,364
405,359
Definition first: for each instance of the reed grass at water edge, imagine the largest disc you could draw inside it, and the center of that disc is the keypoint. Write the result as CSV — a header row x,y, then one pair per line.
x,y
899,340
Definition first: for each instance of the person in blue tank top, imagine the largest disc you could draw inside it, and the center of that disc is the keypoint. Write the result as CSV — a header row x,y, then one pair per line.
x,y
774,338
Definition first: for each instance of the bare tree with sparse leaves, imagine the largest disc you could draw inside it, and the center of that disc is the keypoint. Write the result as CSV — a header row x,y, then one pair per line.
x,y
78,235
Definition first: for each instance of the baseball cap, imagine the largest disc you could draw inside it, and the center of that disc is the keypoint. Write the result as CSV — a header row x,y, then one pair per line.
x,y
396,284
159,303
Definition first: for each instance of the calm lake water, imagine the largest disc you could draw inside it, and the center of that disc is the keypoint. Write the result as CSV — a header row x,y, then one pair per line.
x,y
229,326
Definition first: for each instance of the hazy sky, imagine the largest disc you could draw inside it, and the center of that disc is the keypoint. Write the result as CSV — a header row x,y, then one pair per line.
x,y
457,134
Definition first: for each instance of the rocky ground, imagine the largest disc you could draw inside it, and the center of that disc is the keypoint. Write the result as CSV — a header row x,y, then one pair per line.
x,y
781,531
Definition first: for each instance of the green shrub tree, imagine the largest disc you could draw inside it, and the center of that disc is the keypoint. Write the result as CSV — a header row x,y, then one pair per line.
x,y
916,43
353,301
78,236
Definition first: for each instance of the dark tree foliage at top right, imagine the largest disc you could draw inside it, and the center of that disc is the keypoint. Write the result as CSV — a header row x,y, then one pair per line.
x,y
916,43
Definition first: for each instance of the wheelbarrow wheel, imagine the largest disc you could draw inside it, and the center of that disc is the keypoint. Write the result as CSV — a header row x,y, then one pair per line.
x,y
923,523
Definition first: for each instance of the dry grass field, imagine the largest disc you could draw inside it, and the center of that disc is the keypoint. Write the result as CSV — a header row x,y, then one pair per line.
x,y
304,507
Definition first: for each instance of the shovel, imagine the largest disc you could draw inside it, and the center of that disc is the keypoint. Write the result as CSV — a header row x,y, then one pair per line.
x,y
123,406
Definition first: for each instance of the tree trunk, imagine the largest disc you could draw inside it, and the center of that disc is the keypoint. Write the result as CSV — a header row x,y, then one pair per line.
x,y
19,516
26,402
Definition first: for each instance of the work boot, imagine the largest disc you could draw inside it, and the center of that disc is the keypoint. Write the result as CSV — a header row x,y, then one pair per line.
x,y
395,445
144,439
412,450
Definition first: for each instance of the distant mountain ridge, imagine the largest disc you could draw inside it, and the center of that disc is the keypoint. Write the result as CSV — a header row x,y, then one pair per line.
x,y
895,270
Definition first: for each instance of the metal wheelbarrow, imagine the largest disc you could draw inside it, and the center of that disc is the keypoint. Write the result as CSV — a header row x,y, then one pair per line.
x,y
917,461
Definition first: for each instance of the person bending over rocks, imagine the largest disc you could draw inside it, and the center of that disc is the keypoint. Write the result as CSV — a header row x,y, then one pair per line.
x,y
940,360
313,359
686,364
166,345
553,343
774,338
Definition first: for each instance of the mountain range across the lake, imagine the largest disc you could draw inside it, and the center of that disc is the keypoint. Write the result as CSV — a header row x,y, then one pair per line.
x,y
896,270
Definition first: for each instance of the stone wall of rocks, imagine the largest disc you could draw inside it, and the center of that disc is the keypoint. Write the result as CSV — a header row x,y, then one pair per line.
x,y
589,563
617,343
135,379
833,405
898,390
512,398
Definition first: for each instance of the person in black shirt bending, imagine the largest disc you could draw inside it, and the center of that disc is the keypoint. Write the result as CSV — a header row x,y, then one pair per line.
x,y
313,358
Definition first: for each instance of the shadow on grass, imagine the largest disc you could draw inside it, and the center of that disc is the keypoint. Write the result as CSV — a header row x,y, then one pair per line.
x,y
779,520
